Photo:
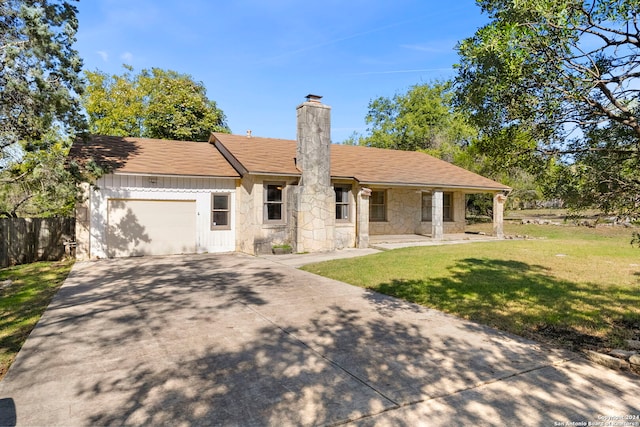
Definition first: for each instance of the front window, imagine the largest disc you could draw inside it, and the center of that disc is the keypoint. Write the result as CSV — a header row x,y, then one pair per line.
x,y
342,202
447,206
220,211
273,202
378,206
427,206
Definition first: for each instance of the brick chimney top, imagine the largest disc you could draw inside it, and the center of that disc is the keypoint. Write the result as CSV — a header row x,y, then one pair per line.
x,y
313,98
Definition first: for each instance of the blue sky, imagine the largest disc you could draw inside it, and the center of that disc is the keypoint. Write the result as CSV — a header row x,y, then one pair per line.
x,y
259,58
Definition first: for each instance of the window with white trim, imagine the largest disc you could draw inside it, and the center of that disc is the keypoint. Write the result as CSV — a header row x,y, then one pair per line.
x,y
342,202
378,206
274,202
427,206
220,211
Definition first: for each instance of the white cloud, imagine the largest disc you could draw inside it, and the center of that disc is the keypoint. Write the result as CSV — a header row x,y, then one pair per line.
x,y
104,55
127,57
431,47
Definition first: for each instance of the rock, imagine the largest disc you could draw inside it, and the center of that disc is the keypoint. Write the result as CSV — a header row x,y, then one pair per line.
x,y
6,283
622,354
633,344
635,360
608,361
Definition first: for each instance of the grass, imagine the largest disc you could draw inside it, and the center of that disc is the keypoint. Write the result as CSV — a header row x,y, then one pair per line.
x,y
575,287
22,302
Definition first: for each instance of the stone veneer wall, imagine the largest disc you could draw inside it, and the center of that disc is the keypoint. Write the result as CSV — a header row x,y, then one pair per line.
x,y
345,231
404,214
253,235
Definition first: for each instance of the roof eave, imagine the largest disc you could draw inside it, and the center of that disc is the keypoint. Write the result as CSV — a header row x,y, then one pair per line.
x,y
169,175
434,185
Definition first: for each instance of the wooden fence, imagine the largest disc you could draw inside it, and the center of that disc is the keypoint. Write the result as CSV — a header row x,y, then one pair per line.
x,y
25,240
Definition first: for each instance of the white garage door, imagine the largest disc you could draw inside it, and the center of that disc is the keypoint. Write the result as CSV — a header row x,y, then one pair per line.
x,y
150,227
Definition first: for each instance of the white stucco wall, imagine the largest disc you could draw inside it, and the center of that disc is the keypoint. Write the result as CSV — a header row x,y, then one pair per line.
x,y
164,188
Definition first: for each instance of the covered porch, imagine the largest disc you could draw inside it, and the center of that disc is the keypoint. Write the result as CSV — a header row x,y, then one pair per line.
x,y
396,216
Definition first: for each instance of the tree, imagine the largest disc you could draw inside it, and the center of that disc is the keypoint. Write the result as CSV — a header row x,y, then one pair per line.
x,y
557,81
421,119
155,103
39,73
41,184
39,106
425,118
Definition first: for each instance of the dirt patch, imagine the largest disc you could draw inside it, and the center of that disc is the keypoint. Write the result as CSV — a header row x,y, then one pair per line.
x,y
567,338
582,342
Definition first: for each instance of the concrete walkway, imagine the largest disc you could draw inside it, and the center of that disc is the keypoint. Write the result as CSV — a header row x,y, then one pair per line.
x,y
239,340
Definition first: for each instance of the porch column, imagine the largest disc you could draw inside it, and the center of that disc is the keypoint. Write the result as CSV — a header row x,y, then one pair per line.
x,y
498,215
437,211
362,218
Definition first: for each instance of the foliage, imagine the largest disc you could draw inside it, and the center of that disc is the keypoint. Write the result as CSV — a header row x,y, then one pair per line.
x,y
573,285
548,79
421,119
41,184
22,302
155,103
39,69
426,119
39,106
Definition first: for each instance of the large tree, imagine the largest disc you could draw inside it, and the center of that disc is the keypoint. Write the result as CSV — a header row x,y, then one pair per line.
x,y
39,69
557,80
423,118
155,103
39,106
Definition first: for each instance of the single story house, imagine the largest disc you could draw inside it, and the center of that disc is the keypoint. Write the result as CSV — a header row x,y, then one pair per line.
x,y
247,194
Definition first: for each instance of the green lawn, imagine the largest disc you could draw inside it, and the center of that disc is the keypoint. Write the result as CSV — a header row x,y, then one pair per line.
x,y
576,287
23,301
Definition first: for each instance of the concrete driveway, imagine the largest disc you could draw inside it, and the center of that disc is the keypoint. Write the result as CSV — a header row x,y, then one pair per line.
x,y
239,340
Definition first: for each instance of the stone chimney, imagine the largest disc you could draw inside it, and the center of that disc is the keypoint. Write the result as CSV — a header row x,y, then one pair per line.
x,y
314,138
314,212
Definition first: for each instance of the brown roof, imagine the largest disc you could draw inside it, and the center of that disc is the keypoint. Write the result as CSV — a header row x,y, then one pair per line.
x,y
260,155
153,156
367,165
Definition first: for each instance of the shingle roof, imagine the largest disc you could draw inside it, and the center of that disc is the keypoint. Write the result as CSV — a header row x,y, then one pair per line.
x,y
153,156
367,165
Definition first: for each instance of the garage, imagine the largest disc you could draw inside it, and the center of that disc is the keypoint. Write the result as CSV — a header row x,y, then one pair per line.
x,y
150,227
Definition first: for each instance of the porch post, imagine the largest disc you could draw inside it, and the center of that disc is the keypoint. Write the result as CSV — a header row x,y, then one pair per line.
x,y
437,211
498,215
362,218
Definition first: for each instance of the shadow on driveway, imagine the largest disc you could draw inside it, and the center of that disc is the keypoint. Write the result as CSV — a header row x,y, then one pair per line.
x,y
237,340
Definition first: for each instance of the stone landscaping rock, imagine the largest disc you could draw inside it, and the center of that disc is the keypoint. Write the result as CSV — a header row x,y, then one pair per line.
x,y
622,354
635,360
608,361
633,344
